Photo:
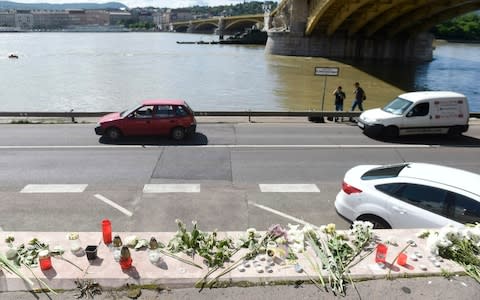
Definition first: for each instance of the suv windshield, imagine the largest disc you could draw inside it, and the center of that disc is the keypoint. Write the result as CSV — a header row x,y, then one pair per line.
x,y
397,106
384,172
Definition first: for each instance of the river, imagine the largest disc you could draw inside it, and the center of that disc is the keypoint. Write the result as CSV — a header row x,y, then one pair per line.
x,y
113,71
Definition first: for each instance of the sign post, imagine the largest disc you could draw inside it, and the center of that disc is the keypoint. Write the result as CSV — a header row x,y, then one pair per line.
x,y
326,71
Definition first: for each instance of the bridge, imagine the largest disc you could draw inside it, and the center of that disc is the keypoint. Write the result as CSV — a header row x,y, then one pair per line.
x,y
219,25
358,29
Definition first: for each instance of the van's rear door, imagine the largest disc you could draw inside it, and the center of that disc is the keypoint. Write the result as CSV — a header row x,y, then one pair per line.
x,y
449,112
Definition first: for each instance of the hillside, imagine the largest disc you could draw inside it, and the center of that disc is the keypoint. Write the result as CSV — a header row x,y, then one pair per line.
x,y
48,6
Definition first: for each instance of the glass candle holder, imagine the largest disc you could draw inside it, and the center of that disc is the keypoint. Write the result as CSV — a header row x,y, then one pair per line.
x,y
402,259
125,258
107,231
44,260
381,254
125,263
75,244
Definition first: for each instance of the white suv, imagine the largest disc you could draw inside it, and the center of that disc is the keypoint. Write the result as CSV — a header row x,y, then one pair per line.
x,y
409,195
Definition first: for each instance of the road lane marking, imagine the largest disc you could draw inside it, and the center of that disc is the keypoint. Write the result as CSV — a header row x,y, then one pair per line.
x,y
54,188
288,188
363,146
281,214
113,204
171,188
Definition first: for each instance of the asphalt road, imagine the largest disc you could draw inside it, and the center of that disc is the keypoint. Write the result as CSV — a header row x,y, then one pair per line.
x,y
225,162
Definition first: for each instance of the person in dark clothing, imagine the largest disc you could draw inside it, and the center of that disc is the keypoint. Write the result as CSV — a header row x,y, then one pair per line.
x,y
359,97
339,97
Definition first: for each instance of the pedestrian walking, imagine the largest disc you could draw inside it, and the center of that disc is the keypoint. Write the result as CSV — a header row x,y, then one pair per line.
x,y
360,96
339,97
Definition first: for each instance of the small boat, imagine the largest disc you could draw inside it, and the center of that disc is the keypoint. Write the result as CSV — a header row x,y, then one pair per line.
x,y
13,56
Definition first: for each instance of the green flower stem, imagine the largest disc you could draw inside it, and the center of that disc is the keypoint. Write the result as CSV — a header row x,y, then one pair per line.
x,y
41,281
8,266
67,260
389,275
179,258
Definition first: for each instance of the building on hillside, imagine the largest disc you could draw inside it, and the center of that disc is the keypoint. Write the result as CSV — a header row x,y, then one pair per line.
x,y
50,19
23,19
119,17
7,19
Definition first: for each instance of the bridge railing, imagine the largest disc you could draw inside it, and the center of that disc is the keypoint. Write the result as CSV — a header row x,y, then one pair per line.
x,y
248,113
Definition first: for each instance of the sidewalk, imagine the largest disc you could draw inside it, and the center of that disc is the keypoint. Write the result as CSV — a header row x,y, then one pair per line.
x,y
173,274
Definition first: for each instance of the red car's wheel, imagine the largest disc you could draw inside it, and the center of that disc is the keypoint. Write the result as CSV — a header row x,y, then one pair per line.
x,y
178,133
113,134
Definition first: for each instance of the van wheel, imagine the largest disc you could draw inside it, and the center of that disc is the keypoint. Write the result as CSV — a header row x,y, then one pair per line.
x,y
391,132
378,223
113,134
178,133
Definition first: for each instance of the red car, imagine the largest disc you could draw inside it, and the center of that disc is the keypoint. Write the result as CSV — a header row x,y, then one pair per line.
x,y
153,117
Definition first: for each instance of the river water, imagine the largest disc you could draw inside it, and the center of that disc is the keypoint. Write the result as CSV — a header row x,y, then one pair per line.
x,y
113,71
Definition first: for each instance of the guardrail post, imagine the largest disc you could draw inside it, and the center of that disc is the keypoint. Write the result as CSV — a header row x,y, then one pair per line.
x,y
72,116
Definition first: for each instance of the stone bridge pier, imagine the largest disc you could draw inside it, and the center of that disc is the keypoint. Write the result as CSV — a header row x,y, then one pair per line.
x,y
287,36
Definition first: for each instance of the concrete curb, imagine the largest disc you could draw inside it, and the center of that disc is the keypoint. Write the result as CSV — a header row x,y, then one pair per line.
x,y
175,274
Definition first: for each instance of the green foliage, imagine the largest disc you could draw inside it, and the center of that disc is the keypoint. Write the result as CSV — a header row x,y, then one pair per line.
x,y
215,251
247,8
466,27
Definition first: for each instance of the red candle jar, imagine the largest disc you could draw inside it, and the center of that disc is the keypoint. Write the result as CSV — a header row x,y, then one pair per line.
x,y
125,258
381,254
44,260
402,259
125,263
107,231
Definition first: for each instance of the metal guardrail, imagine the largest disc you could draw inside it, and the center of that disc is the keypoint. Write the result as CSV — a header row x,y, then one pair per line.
x,y
309,114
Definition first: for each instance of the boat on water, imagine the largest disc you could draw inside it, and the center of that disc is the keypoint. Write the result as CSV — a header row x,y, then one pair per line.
x,y
13,56
251,36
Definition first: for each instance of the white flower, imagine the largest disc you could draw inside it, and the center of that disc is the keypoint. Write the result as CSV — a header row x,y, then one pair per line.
x,y
251,231
292,227
297,248
238,243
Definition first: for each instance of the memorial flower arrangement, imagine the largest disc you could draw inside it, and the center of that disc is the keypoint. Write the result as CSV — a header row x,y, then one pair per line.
x,y
460,244
336,253
214,250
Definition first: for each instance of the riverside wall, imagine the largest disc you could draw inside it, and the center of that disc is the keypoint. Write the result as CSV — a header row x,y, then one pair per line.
x,y
340,46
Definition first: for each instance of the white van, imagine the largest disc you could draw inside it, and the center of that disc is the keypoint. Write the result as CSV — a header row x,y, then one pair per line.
x,y
418,113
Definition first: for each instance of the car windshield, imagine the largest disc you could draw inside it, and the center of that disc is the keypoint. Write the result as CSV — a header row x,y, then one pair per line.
x,y
129,111
384,172
397,106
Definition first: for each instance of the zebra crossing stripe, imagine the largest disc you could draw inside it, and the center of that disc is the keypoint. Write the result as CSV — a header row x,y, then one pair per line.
x,y
171,188
54,188
289,188
113,204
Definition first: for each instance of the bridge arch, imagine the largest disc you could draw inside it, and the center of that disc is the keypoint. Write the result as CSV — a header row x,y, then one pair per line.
x,y
232,25
384,29
205,26
372,17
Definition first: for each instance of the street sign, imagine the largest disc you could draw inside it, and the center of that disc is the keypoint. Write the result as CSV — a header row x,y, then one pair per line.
x,y
326,71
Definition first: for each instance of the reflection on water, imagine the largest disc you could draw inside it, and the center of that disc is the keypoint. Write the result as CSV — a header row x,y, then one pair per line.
x,y
112,71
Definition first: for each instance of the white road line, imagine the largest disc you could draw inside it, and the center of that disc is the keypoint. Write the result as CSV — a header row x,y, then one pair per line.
x,y
381,146
171,188
114,205
281,214
54,188
289,188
